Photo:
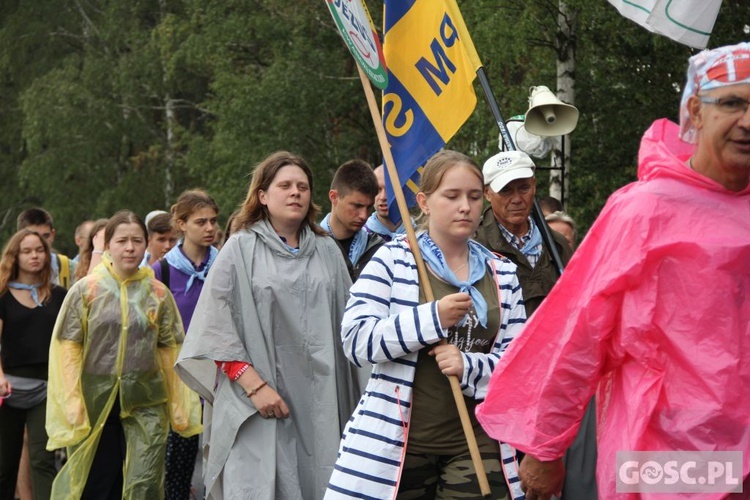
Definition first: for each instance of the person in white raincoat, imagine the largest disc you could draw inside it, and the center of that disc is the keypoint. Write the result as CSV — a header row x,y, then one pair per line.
x,y
269,315
112,390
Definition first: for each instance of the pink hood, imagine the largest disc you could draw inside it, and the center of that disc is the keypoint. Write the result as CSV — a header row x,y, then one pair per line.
x,y
664,155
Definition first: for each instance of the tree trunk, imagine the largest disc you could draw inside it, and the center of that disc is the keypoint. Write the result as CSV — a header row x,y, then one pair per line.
x,y
169,151
566,43
169,110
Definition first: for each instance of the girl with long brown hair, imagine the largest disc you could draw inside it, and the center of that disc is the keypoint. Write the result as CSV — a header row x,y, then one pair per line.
x,y
91,255
269,314
29,304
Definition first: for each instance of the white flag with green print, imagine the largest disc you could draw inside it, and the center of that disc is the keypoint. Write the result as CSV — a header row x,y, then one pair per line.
x,y
685,21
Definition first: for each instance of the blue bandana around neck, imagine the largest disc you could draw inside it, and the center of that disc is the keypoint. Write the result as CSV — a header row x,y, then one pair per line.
x,y
177,259
478,258
533,246
34,289
359,243
374,225
295,251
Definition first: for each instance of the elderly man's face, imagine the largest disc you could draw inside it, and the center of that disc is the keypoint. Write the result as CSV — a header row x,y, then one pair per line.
x,y
724,130
512,205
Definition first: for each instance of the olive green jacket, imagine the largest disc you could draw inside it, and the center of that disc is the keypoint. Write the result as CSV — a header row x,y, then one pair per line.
x,y
536,282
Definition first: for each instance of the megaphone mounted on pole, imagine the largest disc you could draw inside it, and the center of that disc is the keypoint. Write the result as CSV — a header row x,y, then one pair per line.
x,y
547,115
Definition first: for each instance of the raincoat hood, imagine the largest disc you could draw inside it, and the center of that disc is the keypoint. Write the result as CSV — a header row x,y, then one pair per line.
x,y
265,232
663,155
142,272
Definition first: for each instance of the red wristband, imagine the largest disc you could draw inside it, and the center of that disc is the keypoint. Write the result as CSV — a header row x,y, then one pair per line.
x,y
234,369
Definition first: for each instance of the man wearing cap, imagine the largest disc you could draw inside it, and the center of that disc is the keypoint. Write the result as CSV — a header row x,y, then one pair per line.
x,y
162,236
508,229
653,314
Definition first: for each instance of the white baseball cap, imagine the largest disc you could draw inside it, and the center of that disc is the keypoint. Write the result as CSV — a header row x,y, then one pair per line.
x,y
507,166
153,214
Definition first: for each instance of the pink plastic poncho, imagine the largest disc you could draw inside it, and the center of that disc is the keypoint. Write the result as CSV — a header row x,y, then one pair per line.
x,y
652,313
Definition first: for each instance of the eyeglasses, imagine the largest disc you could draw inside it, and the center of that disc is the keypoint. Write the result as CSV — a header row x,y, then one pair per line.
x,y
728,105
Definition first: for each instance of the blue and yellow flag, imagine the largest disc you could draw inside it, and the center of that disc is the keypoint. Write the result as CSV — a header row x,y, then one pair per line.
x,y
431,64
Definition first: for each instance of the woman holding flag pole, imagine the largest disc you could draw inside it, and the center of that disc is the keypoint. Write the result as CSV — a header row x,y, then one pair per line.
x,y
405,438
438,15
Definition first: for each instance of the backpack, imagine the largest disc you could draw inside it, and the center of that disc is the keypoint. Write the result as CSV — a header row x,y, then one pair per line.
x,y
63,264
164,271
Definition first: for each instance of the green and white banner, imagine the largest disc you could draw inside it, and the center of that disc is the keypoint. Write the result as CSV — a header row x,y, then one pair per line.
x,y
686,21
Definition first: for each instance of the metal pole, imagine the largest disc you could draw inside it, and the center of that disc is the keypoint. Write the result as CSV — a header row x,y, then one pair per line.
x,y
537,211
562,172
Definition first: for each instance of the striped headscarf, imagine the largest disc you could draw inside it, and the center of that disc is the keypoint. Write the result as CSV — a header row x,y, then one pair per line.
x,y
712,69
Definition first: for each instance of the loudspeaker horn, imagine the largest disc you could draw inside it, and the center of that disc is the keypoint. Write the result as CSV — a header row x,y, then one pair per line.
x,y
547,115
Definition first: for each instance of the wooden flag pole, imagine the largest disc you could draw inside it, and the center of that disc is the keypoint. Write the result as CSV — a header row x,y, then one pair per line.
x,y
423,277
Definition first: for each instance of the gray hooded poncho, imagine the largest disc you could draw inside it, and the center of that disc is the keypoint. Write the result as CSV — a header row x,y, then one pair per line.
x,y
281,312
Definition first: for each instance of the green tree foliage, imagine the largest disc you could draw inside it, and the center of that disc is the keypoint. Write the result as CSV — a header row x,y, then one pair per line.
x,y
26,53
626,78
109,105
280,78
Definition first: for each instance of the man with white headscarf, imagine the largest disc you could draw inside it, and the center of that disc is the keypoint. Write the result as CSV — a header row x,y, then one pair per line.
x,y
653,311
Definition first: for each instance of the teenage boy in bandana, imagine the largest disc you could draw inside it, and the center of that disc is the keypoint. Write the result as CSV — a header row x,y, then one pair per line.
x,y
352,195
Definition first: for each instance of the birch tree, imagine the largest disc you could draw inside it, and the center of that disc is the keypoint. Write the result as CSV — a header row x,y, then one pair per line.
x,y
565,47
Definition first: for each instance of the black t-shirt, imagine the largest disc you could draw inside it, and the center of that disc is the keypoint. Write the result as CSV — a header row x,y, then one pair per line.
x,y
346,244
27,332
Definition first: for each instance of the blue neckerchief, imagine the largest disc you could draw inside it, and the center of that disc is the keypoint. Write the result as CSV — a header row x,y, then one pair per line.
x,y
373,225
359,243
34,289
533,246
478,258
295,251
146,259
177,259
532,241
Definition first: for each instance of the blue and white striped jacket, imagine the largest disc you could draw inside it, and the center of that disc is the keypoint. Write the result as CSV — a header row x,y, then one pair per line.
x,y
384,325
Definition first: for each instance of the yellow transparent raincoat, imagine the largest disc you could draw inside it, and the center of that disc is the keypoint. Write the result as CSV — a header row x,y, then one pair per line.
x,y
117,337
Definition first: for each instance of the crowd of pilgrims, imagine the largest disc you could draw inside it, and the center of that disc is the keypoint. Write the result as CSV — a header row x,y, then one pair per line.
x,y
291,350
332,358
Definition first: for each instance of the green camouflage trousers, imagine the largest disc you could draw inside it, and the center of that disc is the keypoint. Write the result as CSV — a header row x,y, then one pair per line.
x,y
445,477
